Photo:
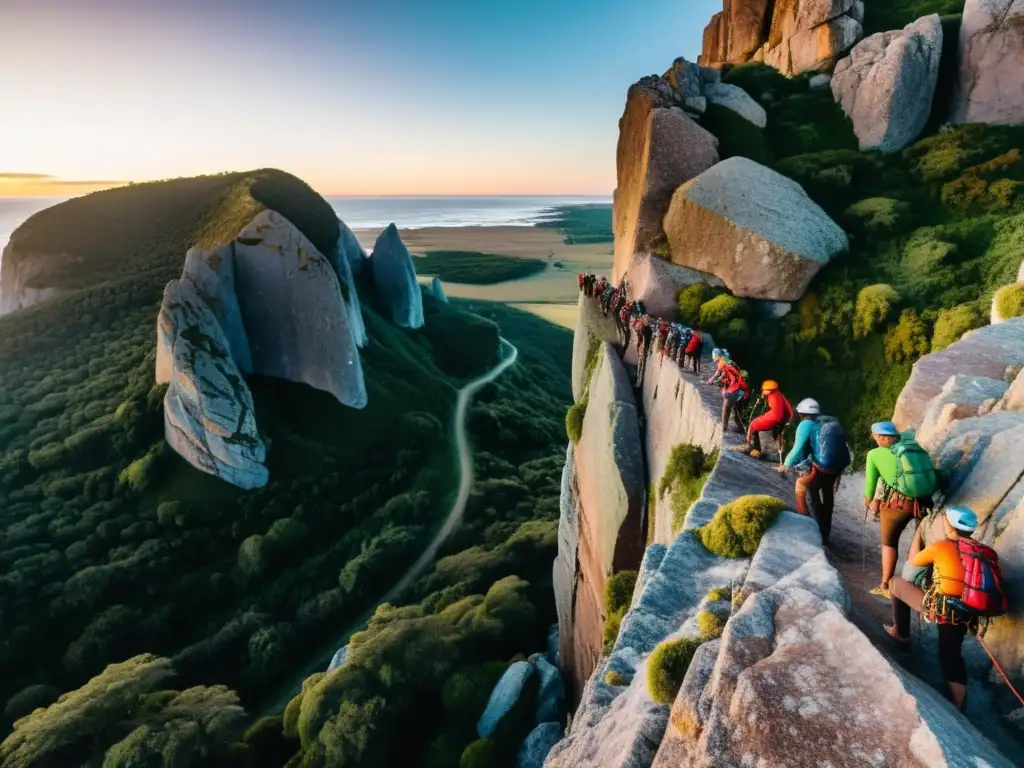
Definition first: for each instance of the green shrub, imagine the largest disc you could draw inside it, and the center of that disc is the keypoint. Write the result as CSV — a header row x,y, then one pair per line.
x,y
691,297
611,630
737,527
737,136
896,14
993,186
908,340
720,310
667,665
878,216
28,700
616,680
711,624
686,473
618,591
1009,300
759,80
953,323
835,179
574,420
482,753
874,305
719,593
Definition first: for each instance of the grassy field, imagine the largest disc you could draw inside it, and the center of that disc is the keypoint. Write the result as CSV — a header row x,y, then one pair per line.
x,y
579,224
474,268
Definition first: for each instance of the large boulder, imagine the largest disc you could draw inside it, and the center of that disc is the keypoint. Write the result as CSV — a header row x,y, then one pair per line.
x,y
212,274
753,228
348,245
685,84
739,101
209,417
995,485
504,696
887,83
658,282
790,663
809,35
1005,635
988,89
1013,400
984,352
962,397
292,305
437,290
551,695
346,259
394,275
659,148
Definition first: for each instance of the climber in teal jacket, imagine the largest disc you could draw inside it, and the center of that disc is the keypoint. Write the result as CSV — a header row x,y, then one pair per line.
x,y
805,440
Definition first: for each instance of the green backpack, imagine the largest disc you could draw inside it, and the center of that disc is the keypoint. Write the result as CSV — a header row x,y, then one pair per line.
x,y
915,474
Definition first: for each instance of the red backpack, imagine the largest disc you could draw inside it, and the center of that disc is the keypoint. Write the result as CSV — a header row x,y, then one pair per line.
x,y
983,579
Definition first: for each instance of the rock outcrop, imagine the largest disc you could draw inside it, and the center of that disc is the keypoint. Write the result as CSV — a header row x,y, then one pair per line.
x,y
592,330
209,416
343,268
658,282
437,290
610,488
504,696
212,274
887,83
659,148
739,101
753,228
348,245
988,89
537,745
16,284
962,397
291,302
395,279
985,352
793,36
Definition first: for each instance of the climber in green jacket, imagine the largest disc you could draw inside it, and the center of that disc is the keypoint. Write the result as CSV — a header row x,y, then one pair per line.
x,y
908,482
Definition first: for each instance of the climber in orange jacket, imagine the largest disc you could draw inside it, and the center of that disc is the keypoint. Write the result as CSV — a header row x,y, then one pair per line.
x,y
779,414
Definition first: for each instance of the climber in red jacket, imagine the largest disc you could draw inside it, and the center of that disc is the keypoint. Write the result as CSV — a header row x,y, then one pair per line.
x,y
734,392
779,414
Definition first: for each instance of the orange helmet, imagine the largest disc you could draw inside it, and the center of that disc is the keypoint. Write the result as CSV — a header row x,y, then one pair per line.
x,y
770,386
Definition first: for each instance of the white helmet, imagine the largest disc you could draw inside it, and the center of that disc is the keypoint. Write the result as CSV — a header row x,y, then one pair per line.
x,y
809,407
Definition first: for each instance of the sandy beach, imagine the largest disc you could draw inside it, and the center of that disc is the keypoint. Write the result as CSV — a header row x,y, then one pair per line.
x,y
551,294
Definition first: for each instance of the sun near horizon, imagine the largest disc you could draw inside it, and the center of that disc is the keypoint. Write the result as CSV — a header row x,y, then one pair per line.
x,y
398,99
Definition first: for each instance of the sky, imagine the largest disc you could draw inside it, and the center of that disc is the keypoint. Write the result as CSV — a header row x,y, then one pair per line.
x,y
357,97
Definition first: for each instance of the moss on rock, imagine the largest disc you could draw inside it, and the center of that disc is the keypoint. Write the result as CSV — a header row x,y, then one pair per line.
x,y
711,624
615,679
878,216
574,420
667,665
737,527
618,592
1009,301
718,594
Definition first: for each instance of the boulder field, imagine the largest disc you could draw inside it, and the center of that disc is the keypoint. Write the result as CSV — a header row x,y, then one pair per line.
x,y
267,303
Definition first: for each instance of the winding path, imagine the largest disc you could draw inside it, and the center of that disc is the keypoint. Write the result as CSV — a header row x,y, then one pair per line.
x,y
319,660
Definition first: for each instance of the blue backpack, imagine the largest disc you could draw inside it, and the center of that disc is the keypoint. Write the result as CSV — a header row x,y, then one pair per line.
x,y
832,454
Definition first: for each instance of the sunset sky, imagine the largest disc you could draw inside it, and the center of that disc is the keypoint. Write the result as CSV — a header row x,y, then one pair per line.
x,y
356,97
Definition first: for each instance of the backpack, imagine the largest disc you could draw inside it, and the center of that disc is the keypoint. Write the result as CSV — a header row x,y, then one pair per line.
x,y
915,474
832,453
983,579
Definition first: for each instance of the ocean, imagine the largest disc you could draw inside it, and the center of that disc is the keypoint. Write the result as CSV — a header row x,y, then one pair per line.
x,y
377,212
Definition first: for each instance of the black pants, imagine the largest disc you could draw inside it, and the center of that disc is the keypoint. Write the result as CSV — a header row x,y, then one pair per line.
x,y
951,636
819,488
732,408
755,439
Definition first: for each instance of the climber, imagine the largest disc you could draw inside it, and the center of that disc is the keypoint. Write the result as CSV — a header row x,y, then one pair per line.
x,y
644,335
820,448
939,604
581,281
721,359
908,480
671,341
625,321
734,392
692,352
606,297
780,413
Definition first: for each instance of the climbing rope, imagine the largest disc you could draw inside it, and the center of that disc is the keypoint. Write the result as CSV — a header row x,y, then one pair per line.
x,y
999,668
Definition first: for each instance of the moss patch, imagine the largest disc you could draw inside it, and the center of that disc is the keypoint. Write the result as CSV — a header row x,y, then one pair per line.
x,y
613,678
711,624
667,667
611,631
953,323
718,594
877,216
618,592
686,473
574,419
737,527
1009,300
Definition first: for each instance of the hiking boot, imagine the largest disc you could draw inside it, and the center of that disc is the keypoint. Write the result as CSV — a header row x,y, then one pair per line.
x,y
745,448
882,592
755,454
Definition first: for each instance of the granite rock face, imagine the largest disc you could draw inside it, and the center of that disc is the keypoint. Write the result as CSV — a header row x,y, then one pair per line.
x,y
504,696
212,274
962,397
342,265
753,228
739,101
293,309
988,88
592,330
348,245
793,36
887,83
790,663
659,148
565,573
395,279
984,352
658,282
209,417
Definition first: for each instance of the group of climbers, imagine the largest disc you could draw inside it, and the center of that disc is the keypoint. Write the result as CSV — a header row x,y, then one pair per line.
x,y
954,583
674,341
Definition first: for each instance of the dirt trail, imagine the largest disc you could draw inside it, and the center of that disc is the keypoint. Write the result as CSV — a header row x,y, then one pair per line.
x,y
318,661
855,551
